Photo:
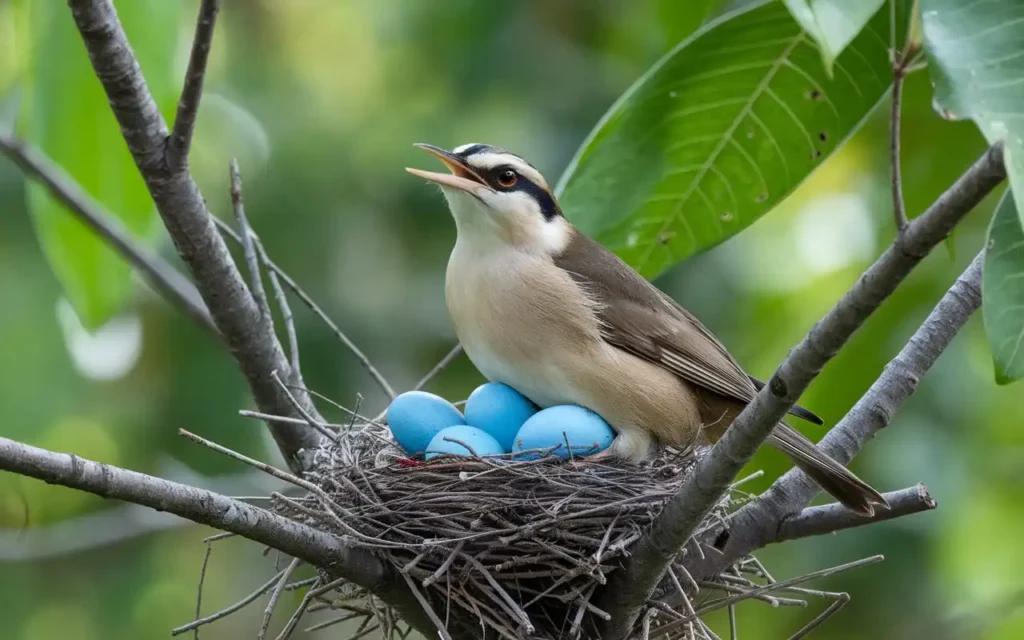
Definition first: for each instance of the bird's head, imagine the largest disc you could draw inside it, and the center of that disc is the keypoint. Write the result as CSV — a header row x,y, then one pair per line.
x,y
497,198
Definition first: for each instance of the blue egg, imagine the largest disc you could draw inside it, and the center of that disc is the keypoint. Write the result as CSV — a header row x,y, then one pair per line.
x,y
586,432
478,441
499,410
415,417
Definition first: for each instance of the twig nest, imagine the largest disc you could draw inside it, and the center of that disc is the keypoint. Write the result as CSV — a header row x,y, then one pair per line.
x,y
516,545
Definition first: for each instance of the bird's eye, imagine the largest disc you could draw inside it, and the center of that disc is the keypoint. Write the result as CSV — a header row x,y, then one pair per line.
x,y
507,178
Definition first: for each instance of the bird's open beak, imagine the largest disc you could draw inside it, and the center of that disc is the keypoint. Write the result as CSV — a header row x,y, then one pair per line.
x,y
461,176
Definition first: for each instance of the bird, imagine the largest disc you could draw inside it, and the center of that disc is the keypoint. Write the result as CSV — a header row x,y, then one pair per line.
x,y
543,308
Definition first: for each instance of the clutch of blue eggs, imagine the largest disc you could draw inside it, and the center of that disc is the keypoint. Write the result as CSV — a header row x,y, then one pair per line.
x,y
498,420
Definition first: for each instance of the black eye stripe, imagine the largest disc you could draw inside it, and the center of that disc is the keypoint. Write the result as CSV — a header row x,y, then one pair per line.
x,y
545,201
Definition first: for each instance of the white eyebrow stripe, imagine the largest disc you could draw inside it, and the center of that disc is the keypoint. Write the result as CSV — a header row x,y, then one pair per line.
x,y
490,160
461,149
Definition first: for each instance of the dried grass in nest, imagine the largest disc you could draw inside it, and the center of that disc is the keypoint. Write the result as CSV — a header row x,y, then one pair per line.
x,y
519,546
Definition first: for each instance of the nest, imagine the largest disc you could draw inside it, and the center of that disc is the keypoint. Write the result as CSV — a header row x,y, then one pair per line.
x,y
519,546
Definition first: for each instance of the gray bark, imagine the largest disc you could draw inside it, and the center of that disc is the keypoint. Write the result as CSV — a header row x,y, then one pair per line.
x,y
628,590
184,213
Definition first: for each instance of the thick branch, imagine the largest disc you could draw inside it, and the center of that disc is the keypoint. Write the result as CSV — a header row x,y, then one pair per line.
x,y
197,505
188,221
163,277
206,507
628,590
755,524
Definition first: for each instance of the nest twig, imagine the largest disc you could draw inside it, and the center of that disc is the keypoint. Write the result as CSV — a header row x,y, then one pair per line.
x,y
505,547
518,545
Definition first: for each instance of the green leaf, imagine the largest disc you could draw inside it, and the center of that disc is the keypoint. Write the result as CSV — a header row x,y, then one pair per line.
x,y
976,59
65,113
1002,300
680,19
833,23
717,133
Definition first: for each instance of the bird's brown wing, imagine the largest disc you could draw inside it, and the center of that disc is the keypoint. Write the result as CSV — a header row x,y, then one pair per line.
x,y
637,317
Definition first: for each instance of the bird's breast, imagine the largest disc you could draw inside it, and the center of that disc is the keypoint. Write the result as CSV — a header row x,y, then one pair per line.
x,y
525,322
522,321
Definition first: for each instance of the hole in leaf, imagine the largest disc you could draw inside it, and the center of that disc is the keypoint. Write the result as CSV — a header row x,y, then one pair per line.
x,y
814,94
665,236
823,136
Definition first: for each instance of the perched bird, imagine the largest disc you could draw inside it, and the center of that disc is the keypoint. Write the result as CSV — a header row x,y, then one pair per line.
x,y
545,309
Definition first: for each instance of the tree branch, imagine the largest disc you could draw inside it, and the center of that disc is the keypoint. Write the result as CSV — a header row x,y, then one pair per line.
x,y
167,280
318,548
317,311
198,505
754,525
180,142
188,221
627,590
829,518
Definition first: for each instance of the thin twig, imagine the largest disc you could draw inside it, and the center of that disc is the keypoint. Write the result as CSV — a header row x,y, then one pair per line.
x,y
441,630
286,314
832,609
180,140
265,587
310,420
901,62
334,621
315,308
439,367
898,206
276,595
167,280
252,259
434,577
293,622
298,584
262,466
202,579
245,413
775,586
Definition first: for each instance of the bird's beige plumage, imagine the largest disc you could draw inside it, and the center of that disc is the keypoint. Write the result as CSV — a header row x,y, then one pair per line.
x,y
541,307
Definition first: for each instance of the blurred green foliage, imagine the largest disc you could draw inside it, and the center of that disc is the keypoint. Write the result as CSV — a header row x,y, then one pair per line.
x,y
321,100
65,113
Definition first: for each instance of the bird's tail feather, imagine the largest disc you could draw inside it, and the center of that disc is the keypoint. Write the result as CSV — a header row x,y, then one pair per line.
x,y
831,476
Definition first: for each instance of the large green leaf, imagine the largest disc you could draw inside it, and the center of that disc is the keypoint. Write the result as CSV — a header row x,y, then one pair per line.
x,y
833,23
680,19
66,114
718,132
976,58
1003,291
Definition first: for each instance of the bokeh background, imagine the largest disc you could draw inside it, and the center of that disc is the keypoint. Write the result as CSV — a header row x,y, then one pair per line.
x,y
321,100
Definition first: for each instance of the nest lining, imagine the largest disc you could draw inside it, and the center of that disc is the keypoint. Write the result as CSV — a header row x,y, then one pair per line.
x,y
519,546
